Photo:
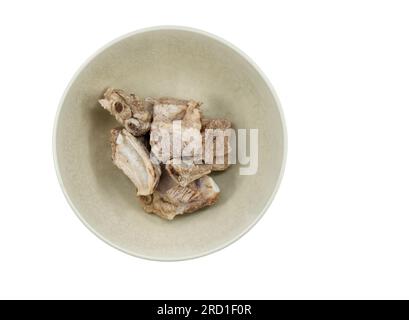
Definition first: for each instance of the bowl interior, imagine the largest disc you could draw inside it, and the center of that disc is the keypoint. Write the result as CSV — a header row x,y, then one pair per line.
x,y
166,62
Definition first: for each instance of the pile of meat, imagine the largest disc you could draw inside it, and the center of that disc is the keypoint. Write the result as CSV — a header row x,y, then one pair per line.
x,y
166,185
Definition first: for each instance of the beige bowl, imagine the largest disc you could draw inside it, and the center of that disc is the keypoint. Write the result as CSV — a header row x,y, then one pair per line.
x,y
167,61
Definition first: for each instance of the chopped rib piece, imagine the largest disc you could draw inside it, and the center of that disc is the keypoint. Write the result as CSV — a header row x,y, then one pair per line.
x,y
165,128
131,156
184,173
219,163
223,165
171,199
216,124
169,109
129,110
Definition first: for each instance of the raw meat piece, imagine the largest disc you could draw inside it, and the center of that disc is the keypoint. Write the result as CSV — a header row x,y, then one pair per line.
x,y
131,156
129,110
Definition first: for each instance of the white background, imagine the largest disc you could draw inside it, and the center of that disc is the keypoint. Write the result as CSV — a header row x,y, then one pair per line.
x,y
339,225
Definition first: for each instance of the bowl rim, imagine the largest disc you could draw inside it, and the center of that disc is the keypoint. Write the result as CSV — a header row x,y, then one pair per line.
x,y
216,38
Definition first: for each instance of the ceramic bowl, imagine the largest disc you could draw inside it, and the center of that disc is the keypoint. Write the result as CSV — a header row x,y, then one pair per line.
x,y
178,62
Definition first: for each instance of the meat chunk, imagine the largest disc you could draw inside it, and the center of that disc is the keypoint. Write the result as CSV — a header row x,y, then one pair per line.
x,y
183,172
175,130
215,124
212,152
168,109
131,156
171,199
129,110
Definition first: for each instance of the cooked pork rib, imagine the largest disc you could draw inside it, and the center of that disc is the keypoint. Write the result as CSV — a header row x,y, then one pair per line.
x,y
129,110
171,199
169,109
216,124
183,172
219,163
166,112
131,156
